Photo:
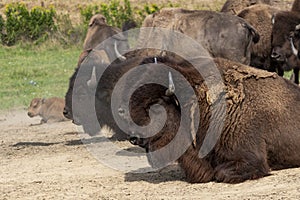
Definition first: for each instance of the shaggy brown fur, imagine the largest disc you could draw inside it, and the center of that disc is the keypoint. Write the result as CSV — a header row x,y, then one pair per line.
x,y
261,130
99,31
222,35
51,109
296,6
235,6
260,17
79,97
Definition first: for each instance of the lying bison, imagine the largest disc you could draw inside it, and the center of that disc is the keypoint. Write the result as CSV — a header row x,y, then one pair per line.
x,y
222,35
261,128
82,101
50,110
79,97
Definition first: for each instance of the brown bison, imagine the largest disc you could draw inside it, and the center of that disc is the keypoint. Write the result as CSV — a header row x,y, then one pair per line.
x,y
79,97
235,6
222,35
260,17
260,132
284,23
99,31
50,109
88,105
296,6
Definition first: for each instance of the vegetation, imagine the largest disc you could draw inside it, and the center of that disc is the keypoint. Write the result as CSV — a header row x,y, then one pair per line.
x,y
28,72
40,44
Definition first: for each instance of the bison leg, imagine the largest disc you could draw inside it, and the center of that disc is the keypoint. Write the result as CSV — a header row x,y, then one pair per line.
x,y
239,171
296,73
196,170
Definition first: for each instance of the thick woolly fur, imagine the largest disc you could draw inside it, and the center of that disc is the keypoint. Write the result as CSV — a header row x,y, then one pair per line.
x,y
234,6
261,128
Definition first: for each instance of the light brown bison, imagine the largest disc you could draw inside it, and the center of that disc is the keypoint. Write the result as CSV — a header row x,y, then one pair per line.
x,y
50,109
235,6
260,132
99,31
222,35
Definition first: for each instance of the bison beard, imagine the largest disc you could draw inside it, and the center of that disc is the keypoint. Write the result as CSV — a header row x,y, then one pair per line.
x,y
260,131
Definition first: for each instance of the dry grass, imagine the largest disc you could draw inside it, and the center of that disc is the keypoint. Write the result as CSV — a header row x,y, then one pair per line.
x,y
71,7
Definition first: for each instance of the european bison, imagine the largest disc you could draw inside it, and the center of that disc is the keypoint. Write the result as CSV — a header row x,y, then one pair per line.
x,y
260,132
222,35
260,17
85,103
50,109
235,6
99,31
79,97
283,23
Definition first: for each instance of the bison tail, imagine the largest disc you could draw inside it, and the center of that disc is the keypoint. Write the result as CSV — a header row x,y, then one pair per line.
x,y
254,33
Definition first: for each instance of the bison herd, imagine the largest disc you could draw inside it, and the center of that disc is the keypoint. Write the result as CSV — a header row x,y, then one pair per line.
x,y
255,117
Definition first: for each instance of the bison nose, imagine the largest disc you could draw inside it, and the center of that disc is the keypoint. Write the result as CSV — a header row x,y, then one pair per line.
x,y
134,140
276,55
66,113
30,114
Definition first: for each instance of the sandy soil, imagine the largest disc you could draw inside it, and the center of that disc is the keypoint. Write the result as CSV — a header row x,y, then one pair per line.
x,y
50,161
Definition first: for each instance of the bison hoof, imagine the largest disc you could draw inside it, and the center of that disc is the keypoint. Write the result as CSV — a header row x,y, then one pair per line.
x,y
235,172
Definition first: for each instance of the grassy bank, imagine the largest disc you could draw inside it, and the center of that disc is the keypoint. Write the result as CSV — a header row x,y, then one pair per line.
x,y
28,72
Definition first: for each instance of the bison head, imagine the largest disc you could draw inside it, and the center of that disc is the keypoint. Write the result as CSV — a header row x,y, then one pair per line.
x,y
115,43
80,96
150,112
35,107
282,50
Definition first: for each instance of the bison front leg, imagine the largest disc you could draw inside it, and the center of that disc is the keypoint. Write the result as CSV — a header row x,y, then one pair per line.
x,y
241,170
197,170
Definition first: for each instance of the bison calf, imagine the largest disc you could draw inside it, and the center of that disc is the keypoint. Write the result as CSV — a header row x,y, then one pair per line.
x,y
51,109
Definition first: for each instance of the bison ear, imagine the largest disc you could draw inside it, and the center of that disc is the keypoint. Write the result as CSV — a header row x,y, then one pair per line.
x,y
92,23
43,100
170,91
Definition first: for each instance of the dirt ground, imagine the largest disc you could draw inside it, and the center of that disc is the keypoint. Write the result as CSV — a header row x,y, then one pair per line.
x,y
50,161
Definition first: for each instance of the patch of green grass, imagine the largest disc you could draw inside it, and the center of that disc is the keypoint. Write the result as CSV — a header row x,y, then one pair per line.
x,y
28,72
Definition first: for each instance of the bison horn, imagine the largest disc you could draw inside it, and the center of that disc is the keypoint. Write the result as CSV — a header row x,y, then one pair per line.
x,y
92,83
118,53
295,51
170,91
297,27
